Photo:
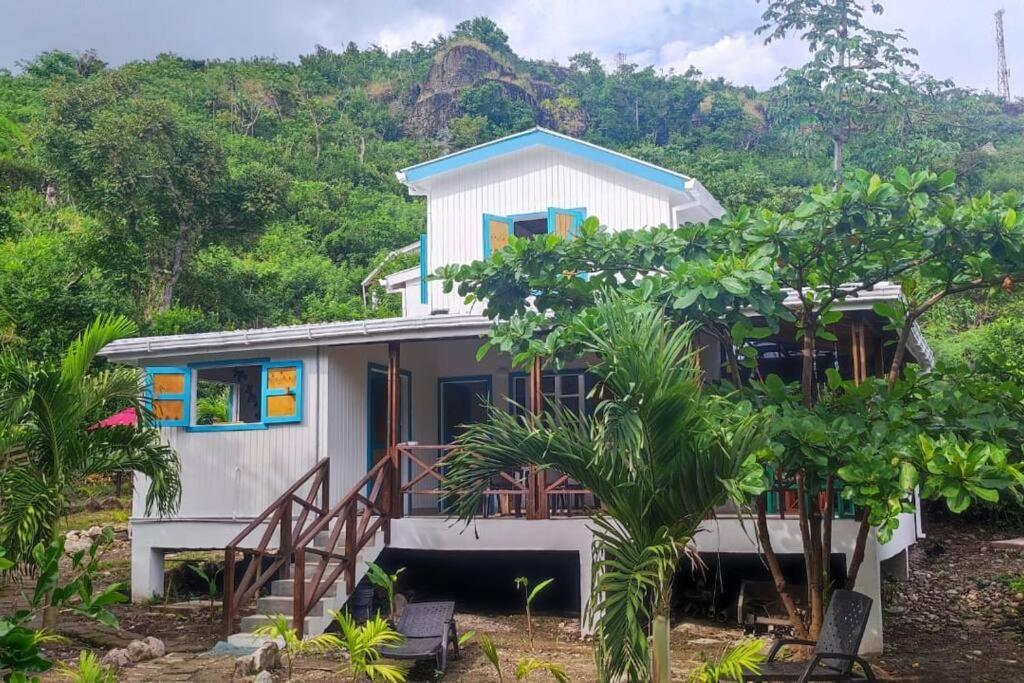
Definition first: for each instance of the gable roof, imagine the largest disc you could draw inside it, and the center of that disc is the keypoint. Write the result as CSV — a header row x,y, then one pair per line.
x,y
546,138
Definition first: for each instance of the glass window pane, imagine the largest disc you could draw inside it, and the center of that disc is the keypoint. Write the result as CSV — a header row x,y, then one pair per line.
x,y
570,384
547,384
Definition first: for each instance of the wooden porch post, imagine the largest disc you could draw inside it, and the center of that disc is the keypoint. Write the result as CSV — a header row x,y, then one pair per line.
x,y
394,394
857,350
537,505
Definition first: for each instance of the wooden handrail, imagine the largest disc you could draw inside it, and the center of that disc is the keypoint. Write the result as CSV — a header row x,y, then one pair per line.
x,y
277,516
359,529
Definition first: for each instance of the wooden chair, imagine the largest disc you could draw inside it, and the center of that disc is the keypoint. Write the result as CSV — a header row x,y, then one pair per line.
x,y
835,651
429,632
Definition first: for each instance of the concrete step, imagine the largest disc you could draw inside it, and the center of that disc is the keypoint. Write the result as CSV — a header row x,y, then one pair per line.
x,y
312,624
283,604
286,587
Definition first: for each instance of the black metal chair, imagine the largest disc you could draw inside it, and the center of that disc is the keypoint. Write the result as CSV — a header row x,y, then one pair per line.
x,y
429,632
835,651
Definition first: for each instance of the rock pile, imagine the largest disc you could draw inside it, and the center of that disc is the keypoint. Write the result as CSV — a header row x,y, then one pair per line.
x,y
137,651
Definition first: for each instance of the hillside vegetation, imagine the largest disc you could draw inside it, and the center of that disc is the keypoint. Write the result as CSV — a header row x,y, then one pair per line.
x,y
195,195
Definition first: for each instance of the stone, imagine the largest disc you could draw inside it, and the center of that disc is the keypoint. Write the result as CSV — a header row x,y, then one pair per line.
x,y
264,677
118,658
156,646
1009,544
94,531
267,656
245,666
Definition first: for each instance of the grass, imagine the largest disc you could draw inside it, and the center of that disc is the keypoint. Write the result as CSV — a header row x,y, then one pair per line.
x,y
91,518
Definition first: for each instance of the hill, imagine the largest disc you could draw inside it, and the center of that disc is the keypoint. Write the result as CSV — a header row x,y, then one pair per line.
x,y
195,195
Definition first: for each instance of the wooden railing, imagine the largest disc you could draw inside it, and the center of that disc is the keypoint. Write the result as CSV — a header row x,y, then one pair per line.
x,y
356,519
512,493
278,517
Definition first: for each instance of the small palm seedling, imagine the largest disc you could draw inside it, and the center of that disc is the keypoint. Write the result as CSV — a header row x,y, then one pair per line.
x,y
524,667
380,578
531,594
210,578
89,669
742,658
278,628
362,644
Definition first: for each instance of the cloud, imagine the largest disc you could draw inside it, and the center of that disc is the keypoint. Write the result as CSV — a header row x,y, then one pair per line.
x,y
741,58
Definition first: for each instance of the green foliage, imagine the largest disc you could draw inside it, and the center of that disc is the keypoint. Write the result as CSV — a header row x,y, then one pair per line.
x,y
88,669
659,437
203,195
380,578
209,576
362,645
744,657
524,667
20,643
279,628
46,409
531,594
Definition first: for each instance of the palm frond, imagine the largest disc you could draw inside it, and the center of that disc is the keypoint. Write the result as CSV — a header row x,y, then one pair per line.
x,y
84,349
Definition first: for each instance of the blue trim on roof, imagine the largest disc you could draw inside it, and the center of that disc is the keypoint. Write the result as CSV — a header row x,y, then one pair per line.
x,y
541,136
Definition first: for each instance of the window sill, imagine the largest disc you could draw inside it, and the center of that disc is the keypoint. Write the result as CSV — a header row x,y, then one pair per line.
x,y
242,427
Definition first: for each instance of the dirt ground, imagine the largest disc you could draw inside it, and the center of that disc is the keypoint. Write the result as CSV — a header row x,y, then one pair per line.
x,y
955,619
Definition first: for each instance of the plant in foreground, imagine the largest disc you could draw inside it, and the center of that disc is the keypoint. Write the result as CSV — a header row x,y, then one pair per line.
x,y
659,452
731,664
89,669
380,578
279,628
210,577
362,644
524,667
524,583
20,644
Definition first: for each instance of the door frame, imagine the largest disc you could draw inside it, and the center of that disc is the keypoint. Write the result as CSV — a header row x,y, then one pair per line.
x,y
458,379
371,368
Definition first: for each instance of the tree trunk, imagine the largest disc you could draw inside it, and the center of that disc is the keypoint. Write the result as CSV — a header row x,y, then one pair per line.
x,y
858,552
177,265
661,669
50,619
764,538
807,369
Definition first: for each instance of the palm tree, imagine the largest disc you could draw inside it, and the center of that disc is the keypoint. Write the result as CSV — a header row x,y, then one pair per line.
x,y
660,453
46,410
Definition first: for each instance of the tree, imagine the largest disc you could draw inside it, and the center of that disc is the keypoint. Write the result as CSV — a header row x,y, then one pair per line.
x,y
46,411
659,452
157,174
853,79
878,439
484,30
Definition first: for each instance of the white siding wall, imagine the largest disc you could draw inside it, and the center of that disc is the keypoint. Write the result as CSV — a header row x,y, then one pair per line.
x,y
524,182
237,474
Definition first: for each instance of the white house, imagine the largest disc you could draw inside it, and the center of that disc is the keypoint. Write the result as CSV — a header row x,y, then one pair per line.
x,y
321,458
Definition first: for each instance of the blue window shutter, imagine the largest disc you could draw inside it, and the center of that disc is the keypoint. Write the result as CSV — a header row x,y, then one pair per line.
x,y
282,397
168,395
424,290
565,222
496,233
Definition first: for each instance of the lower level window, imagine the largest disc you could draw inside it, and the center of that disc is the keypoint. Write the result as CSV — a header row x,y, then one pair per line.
x,y
229,395
564,388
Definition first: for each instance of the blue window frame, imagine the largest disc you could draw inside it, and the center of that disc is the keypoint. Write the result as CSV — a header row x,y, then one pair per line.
x,y
258,393
498,229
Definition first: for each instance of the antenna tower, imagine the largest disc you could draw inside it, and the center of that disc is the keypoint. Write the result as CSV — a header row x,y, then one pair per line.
x,y
1003,75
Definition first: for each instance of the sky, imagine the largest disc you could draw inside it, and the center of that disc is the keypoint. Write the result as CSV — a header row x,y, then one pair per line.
x,y
955,38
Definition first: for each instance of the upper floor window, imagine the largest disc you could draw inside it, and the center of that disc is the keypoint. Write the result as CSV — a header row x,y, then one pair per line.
x,y
498,229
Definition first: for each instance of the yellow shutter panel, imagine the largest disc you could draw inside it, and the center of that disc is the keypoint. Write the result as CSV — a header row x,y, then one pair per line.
x,y
564,222
282,392
497,230
168,392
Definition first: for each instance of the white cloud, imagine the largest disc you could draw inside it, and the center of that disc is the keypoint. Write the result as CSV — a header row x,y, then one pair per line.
x,y
421,30
741,58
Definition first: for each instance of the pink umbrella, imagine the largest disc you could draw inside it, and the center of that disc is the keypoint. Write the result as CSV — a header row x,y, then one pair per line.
x,y
125,418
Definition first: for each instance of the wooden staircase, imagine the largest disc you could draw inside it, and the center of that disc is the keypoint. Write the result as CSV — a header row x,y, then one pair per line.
x,y
305,564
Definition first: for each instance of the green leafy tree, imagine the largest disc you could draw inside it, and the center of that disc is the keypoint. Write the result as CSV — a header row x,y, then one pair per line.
x,y
46,410
878,439
853,79
660,453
